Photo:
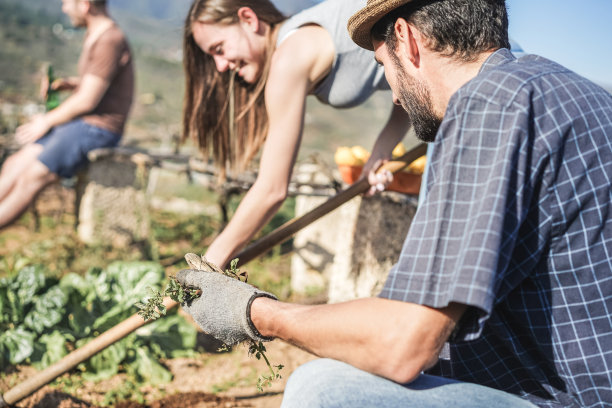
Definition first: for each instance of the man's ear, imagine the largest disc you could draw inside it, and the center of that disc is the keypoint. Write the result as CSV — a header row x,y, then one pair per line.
x,y
248,17
408,41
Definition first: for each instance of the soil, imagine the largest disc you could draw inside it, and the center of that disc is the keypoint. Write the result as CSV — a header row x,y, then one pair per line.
x,y
211,379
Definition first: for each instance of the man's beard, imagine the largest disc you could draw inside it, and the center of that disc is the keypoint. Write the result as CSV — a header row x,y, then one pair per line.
x,y
78,22
416,101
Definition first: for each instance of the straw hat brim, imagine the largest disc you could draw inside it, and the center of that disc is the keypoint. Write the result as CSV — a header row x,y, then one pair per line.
x,y
361,23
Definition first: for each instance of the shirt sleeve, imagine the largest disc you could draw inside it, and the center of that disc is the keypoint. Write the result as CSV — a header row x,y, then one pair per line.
x,y
464,234
107,56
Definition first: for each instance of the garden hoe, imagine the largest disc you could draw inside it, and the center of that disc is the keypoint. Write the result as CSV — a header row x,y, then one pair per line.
x,y
254,250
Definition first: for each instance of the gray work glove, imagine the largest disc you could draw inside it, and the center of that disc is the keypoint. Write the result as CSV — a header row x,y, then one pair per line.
x,y
224,308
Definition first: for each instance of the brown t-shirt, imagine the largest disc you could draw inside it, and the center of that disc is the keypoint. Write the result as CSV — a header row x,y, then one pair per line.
x,y
110,58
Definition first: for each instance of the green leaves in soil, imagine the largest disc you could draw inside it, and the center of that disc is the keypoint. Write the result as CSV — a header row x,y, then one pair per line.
x,y
43,318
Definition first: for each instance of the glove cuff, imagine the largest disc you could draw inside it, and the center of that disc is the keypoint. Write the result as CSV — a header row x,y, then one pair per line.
x,y
253,332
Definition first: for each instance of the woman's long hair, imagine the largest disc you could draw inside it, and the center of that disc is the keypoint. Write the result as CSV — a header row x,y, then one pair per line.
x,y
224,115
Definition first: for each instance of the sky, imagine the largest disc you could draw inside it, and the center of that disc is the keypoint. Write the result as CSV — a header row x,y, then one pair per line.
x,y
576,34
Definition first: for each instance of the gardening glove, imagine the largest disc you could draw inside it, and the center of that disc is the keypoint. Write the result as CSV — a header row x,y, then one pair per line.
x,y
223,310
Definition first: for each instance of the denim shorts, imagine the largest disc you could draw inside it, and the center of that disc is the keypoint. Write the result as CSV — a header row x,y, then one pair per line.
x,y
66,146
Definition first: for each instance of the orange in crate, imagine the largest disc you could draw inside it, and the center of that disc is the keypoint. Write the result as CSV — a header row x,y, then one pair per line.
x,y
403,182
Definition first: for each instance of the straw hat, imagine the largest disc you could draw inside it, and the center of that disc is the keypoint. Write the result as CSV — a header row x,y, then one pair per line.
x,y
361,23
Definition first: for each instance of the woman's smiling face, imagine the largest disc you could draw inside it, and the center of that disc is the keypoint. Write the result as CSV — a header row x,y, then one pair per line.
x,y
235,46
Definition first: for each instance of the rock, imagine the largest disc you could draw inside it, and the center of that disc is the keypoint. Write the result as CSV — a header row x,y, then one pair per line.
x,y
349,252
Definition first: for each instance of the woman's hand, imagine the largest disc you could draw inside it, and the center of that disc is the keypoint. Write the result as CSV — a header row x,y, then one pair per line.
x,y
379,181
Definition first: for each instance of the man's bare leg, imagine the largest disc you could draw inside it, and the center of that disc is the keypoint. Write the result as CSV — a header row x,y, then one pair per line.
x,y
15,166
25,189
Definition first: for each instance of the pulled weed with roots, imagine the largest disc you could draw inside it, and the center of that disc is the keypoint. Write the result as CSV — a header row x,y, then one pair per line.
x,y
153,308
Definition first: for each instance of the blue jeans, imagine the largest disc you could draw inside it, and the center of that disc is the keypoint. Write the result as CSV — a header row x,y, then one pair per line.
x,y
66,146
330,383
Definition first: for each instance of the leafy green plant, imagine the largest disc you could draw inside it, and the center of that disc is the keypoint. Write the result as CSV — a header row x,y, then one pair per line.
x,y
42,318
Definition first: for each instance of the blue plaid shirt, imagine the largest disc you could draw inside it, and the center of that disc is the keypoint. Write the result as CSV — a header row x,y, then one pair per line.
x,y
517,224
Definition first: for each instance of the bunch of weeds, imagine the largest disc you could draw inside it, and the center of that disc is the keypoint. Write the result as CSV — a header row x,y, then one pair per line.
x,y
153,308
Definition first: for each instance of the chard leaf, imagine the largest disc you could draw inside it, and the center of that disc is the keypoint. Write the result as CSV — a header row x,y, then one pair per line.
x,y
174,335
48,310
75,285
80,316
132,279
111,317
105,364
80,320
4,357
4,307
15,309
49,349
18,344
126,281
27,283
145,367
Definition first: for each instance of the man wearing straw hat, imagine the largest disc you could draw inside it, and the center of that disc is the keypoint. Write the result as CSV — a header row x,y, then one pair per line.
x,y
508,259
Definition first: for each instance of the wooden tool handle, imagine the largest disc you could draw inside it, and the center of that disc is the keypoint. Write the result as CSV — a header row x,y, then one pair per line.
x,y
289,228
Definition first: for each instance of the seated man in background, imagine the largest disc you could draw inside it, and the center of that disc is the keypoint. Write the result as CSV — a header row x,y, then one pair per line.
x,y
56,144
509,258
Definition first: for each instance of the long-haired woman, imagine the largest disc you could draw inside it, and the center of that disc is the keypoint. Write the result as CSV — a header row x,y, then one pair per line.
x,y
248,73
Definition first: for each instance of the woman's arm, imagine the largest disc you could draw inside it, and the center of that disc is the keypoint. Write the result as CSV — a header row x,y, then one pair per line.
x,y
300,58
394,131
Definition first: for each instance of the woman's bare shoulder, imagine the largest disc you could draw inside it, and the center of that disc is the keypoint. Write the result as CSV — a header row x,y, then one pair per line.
x,y
309,51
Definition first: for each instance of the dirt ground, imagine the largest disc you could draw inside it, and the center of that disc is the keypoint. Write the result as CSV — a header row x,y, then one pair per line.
x,y
211,379
214,380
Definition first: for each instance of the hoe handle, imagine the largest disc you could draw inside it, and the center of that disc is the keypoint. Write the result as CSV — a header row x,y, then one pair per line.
x,y
289,228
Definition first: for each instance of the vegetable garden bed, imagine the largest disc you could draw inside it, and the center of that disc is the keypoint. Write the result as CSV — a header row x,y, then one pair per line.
x,y
151,367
